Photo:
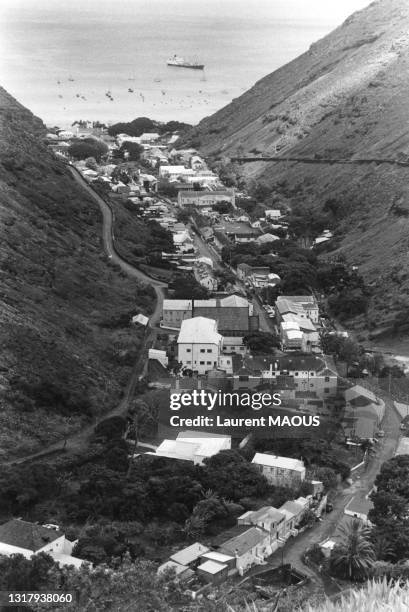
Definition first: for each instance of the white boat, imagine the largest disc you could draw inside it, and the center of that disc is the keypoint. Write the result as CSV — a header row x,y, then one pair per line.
x,y
180,62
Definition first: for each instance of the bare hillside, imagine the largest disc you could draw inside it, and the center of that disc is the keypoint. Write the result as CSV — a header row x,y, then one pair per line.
x,y
346,97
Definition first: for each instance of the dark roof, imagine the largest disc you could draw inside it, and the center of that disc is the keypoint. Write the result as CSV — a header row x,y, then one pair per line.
x,y
244,266
221,538
244,542
305,394
234,318
301,362
27,535
285,382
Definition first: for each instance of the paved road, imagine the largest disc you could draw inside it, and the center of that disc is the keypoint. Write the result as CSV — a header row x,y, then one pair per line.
x,y
80,439
108,240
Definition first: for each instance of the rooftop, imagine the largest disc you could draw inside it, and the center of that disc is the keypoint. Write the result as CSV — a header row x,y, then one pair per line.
x,y
358,391
302,361
211,567
27,535
217,556
244,542
280,462
403,447
199,329
189,554
267,513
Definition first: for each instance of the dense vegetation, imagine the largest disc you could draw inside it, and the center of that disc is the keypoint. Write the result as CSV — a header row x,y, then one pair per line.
x,y
67,346
143,124
390,512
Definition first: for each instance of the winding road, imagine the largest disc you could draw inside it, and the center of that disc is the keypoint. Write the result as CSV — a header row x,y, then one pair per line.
x,y
79,440
109,246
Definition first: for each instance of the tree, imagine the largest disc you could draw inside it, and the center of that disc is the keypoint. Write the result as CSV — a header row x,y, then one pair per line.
x,y
261,342
91,163
130,586
354,555
89,147
327,476
20,574
391,500
187,288
167,189
131,150
232,477
134,128
111,428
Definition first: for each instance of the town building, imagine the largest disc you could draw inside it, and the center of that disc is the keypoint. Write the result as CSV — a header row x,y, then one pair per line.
x,y
174,172
258,276
266,238
212,572
194,446
280,471
305,306
249,548
310,336
272,214
234,315
190,556
299,372
199,344
27,539
269,519
205,198
148,137
363,414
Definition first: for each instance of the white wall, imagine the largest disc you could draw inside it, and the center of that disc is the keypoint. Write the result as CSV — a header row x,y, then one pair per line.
x,y
190,355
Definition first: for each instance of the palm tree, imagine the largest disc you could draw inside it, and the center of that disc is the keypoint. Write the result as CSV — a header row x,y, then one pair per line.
x,y
383,548
354,555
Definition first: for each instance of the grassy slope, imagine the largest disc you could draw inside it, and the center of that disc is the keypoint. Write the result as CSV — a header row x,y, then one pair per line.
x,y
345,97
61,303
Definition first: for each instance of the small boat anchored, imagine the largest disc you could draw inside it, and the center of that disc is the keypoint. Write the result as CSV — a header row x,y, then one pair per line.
x,y
180,62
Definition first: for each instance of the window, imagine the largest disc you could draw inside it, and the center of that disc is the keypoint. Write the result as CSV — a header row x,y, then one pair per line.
x,y
202,350
201,362
208,363
326,379
311,384
188,350
188,362
242,348
243,377
311,373
326,390
209,350
295,373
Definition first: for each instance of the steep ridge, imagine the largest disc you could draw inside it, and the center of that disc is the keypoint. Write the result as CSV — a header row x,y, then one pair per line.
x,y
346,97
67,348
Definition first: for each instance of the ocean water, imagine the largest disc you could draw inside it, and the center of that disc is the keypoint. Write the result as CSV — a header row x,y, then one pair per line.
x,y
61,58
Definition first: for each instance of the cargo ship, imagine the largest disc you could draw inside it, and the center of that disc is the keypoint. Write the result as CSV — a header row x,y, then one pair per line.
x,y
180,62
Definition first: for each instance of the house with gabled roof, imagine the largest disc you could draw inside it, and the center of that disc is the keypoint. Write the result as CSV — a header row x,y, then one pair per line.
x,y
25,538
250,547
280,471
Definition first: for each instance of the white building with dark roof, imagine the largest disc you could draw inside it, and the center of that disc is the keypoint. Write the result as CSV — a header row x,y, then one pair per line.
x,y
27,539
250,548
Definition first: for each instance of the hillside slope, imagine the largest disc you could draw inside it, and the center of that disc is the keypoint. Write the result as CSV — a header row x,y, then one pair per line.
x,y
67,348
346,97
